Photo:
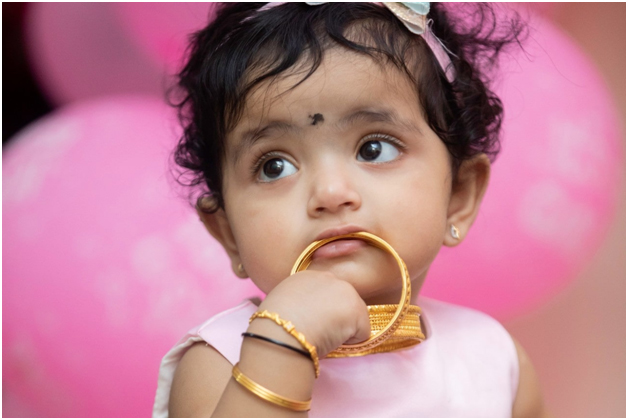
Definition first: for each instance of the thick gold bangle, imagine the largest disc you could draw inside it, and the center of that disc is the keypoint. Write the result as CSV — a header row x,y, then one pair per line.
x,y
289,328
269,395
409,333
304,260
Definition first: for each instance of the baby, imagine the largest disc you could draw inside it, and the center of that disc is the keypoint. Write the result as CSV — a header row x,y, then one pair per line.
x,y
310,121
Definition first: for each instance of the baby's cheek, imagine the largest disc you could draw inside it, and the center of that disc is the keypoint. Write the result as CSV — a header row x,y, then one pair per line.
x,y
418,235
268,256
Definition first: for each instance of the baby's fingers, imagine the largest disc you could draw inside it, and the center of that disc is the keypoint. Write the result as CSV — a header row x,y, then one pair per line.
x,y
362,330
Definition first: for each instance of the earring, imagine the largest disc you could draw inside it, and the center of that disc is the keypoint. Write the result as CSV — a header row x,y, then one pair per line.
x,y
455,233
240,268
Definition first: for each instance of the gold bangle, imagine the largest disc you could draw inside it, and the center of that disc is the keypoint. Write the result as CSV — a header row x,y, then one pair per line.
x,y
269,395
304,260
409,333
289,328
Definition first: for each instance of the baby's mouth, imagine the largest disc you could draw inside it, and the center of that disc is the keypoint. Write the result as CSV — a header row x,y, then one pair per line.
x,y
339,248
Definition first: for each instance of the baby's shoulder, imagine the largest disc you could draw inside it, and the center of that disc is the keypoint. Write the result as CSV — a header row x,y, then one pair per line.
x,y
212,347
223,330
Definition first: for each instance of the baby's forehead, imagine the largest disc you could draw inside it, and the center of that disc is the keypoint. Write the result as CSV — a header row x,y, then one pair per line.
x,y
334,111
344,83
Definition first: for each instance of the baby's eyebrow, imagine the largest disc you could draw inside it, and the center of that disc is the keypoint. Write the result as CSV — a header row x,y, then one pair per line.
x,y
367,115
363,115
248,139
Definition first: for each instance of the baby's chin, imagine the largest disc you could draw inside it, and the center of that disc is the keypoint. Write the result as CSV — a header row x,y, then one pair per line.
x,y
377,279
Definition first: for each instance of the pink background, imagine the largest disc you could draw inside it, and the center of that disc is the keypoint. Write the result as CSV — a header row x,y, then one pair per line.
x,y
577,341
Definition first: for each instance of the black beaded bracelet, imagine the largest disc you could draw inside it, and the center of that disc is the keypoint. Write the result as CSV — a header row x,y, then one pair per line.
x,y
277,342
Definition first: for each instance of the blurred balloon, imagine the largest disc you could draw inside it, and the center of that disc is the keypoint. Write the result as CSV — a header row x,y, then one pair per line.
x,y
104,266
546,9
553,188
162,29
80,50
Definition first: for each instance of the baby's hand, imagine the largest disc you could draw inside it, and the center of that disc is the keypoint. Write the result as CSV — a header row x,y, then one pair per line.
x,y
326,310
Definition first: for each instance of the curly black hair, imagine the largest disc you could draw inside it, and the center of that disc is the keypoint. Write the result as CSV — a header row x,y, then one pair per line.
x,y
243,47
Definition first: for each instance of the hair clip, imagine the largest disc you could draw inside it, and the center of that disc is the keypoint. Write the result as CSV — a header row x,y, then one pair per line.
x,y
413,15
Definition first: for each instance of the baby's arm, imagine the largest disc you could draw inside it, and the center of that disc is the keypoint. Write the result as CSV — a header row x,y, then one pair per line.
x,y
529,401
203,387
328,311
199,381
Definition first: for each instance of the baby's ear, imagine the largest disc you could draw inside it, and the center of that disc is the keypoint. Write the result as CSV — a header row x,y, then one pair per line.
x,y
218,226
466,196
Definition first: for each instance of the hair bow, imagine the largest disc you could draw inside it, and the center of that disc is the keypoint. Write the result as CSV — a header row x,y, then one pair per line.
x,y
414,17
412,14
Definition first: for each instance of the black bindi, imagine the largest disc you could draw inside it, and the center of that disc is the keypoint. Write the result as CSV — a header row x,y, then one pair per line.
x,y
316,118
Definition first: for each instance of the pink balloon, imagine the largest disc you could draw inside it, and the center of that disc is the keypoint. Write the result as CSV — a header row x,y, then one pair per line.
x,y
80,50
105,267
553,188
549,10
162,29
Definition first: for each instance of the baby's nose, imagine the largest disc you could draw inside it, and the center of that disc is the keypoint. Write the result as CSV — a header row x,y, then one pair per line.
x,y
333,192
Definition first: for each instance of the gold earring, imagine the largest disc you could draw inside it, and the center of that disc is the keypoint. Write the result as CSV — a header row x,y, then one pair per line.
x,y
240,268
455,232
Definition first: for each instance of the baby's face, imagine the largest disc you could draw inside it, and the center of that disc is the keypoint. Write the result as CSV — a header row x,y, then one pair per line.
x,y
347,150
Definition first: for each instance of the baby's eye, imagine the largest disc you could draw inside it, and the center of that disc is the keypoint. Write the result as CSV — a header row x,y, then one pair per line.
x,y
377,151
276,168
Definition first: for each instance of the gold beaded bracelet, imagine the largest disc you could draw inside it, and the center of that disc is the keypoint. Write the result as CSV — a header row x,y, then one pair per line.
x,y
269,395
289,328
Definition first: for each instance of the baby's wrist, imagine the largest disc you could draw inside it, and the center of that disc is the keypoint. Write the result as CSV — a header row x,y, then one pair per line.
x,y
272,331
275,367
289,328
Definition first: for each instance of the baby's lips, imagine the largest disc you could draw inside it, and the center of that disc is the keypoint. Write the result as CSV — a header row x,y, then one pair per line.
x,y
339,231
339,248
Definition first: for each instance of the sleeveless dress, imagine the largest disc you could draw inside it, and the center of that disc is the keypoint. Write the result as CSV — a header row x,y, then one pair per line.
x,y
466,367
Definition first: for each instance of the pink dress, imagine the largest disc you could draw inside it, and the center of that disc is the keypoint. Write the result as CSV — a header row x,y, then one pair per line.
x,y
466,367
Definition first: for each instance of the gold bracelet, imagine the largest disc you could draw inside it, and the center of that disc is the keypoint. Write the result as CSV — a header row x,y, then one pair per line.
x,y
289,328
269,395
